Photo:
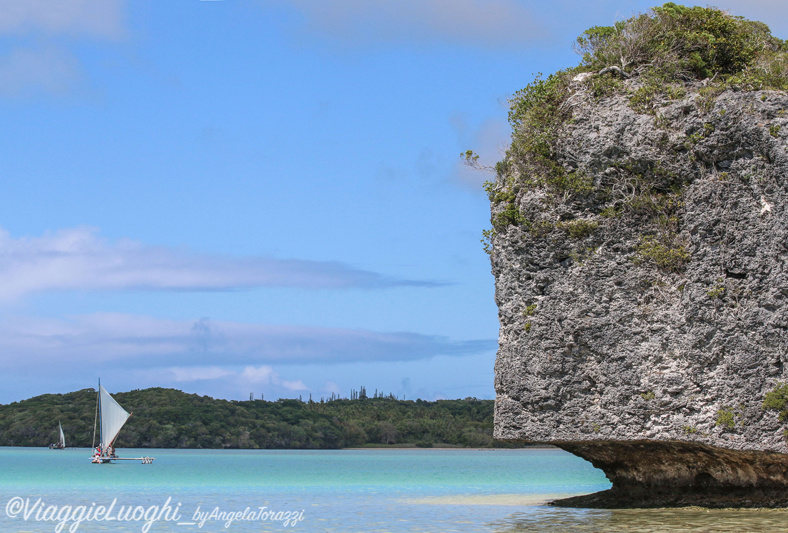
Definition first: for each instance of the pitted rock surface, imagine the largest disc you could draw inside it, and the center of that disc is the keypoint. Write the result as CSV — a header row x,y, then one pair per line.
x,y
599,347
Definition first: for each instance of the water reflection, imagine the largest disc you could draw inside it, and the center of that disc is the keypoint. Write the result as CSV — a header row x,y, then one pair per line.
x,y
551,519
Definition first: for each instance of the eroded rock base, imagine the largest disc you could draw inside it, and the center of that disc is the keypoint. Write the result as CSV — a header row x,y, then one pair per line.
x,y
680,474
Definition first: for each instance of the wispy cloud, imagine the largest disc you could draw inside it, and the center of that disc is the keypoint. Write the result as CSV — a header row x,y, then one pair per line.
x,y
43,59
481,23
250,376
208,347
197,373
78,259
256,379
31,70
93,18
260,375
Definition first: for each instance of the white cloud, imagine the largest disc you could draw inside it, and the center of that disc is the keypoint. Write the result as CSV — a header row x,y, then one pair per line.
x,y
297,385
95,18
266,375
331,388
131,341
260,374
78,259
231,379
204,373
51,65
486,23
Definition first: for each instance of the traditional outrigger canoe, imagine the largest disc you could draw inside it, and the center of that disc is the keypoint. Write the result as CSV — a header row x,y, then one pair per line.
x,y
110,418
61,442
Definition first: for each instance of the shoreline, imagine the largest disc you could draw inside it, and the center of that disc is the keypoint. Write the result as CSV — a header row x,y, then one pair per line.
x,y
382,447
534,447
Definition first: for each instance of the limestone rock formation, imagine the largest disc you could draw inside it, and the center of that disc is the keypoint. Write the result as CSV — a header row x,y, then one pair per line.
x,y
641,274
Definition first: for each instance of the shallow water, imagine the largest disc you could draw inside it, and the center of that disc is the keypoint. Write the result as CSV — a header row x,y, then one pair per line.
x,y
499,491
693,520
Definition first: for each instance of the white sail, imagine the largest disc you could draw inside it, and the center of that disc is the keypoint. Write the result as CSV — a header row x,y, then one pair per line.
x,y
113,416
62,437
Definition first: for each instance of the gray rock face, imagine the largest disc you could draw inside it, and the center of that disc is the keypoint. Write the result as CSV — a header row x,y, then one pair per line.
x,y
661,474
653,309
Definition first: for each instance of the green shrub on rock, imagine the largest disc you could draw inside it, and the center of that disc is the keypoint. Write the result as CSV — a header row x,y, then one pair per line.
x,y
668,256
680,43
777,400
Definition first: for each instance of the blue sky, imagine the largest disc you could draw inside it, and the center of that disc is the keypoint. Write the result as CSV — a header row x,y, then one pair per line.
x,y
234,197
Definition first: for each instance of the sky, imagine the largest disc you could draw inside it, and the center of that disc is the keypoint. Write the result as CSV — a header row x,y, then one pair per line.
x,y
262,197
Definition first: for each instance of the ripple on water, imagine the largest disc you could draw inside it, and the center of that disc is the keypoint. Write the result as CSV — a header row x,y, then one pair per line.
x,y
681,520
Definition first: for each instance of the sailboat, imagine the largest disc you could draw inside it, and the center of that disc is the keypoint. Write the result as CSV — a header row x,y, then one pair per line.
x,y
110,417
61,443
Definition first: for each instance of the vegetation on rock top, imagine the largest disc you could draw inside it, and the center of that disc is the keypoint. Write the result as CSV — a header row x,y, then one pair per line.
x,y
649,58
686,43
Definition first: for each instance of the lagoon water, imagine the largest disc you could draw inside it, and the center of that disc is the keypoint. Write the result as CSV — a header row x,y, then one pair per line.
x,y
501,491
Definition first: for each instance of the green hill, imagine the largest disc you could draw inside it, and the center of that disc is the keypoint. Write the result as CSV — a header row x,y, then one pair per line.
x,y
169,418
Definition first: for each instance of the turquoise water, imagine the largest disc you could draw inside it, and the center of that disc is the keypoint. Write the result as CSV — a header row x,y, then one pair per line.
x,y
501,491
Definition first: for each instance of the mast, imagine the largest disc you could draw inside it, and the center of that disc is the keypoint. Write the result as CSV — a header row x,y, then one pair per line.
x,y
98,407
95,421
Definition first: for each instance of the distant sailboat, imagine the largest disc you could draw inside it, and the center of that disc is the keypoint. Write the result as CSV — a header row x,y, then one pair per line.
x,y
61,443
110,417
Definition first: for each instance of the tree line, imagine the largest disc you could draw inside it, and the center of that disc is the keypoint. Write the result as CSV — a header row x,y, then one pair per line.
x,y
169,418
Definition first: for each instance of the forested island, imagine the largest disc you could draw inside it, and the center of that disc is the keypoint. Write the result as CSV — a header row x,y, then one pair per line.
x,y
169,418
